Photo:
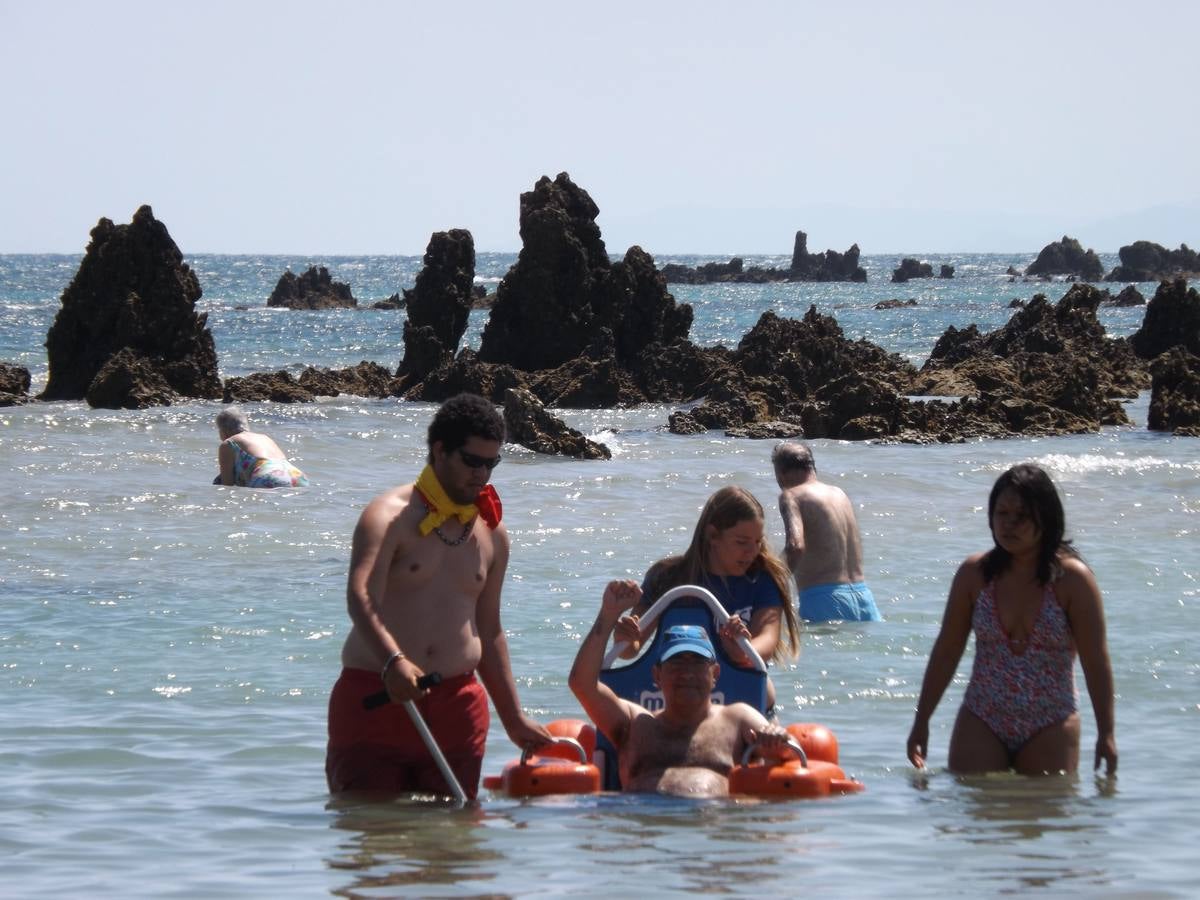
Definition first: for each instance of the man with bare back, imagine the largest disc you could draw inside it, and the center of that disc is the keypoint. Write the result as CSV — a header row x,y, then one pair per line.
x,y
824,548
689,746
426,569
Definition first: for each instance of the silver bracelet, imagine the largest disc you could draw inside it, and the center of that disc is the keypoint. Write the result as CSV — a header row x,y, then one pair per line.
x,y
387,664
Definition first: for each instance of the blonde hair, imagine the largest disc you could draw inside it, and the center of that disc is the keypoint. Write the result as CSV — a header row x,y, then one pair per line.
x,y
726,508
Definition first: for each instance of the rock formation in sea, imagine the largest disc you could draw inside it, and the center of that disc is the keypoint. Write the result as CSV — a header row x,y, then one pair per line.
x,y
827,266
911,268
1172,318
132,293
802,372
896,303
438,305
1175,393
315,289
1147,261
1129,296
14,384
946,271
1050,370
367,379
528,423
1067,257
805,266
563,290
392,302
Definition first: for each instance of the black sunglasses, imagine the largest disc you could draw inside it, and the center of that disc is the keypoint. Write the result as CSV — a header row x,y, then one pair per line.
x,y
478,462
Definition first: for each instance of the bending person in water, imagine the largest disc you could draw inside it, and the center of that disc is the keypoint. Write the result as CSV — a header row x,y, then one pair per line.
x,y
1032,603
824,547
689,746
730,557
248,459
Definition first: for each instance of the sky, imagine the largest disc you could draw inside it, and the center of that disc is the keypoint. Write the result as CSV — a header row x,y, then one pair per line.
x,y
712,128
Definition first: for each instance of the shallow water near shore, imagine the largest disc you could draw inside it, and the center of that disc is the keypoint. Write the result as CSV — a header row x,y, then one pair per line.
x,y
168,646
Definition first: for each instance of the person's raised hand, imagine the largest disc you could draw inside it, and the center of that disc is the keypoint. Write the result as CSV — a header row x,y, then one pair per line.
x,y
620,596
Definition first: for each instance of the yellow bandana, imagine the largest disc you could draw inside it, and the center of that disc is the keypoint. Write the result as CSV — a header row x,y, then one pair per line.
x,y
440,506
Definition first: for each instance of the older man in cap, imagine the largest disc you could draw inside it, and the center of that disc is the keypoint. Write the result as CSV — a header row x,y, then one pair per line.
x,y
688,747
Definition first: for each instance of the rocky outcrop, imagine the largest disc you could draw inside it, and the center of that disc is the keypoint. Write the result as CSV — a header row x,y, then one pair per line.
x,y
1129,296
805,266
392,302
707,273
827,266
14,384
1050,370
946,271
895,303
132,292
1147,261
803,373
1172,318
439,304
911,268
367,379
129,381
1067,257
315,289
277,387
1175,393
526,422
563,289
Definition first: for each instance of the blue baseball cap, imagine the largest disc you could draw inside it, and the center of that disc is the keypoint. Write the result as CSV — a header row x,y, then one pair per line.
x,y
686,639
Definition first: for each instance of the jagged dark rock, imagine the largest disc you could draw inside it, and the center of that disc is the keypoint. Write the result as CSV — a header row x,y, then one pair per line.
x,y
1147,261
563,289
315,289
1067,257
1129,296
911,268
895,303
1175,393
439,304
827,266
14,384
760,431
465,374
1016,303
805,266
277,387
1172,318
367,379
129,381
528,423
946,271
1050,370
132,291
392,302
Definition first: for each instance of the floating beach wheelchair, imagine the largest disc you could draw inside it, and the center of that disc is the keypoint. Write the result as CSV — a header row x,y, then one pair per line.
x,y
582,760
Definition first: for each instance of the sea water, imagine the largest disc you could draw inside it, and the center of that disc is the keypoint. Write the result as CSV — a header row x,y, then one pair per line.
x,y
167,646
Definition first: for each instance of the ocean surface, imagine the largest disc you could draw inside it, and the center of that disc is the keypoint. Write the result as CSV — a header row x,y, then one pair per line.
x,y
167,647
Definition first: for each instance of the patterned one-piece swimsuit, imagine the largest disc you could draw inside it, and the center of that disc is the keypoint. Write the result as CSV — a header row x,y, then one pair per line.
x,y
1018,694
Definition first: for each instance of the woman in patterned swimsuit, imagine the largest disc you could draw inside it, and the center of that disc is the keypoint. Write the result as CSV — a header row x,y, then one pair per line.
x,y
1032,603
251,460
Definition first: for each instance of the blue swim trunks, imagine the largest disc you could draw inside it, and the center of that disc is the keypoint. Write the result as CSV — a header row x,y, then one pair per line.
x,y
839,602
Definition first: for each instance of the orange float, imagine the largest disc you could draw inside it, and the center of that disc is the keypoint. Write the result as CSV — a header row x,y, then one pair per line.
x,y
561,767
813,775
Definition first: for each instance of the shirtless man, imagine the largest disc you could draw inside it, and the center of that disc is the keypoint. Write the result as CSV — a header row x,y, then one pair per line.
x,y
824,548
426,568
689,746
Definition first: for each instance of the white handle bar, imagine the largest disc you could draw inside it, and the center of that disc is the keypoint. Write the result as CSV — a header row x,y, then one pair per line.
x,y
714,606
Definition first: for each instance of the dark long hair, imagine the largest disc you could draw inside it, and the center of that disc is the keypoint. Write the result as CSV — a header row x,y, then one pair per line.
x,y
1041,501
727,507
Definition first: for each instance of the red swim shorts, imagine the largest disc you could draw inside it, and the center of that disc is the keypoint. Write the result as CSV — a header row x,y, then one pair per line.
x,y
380,749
